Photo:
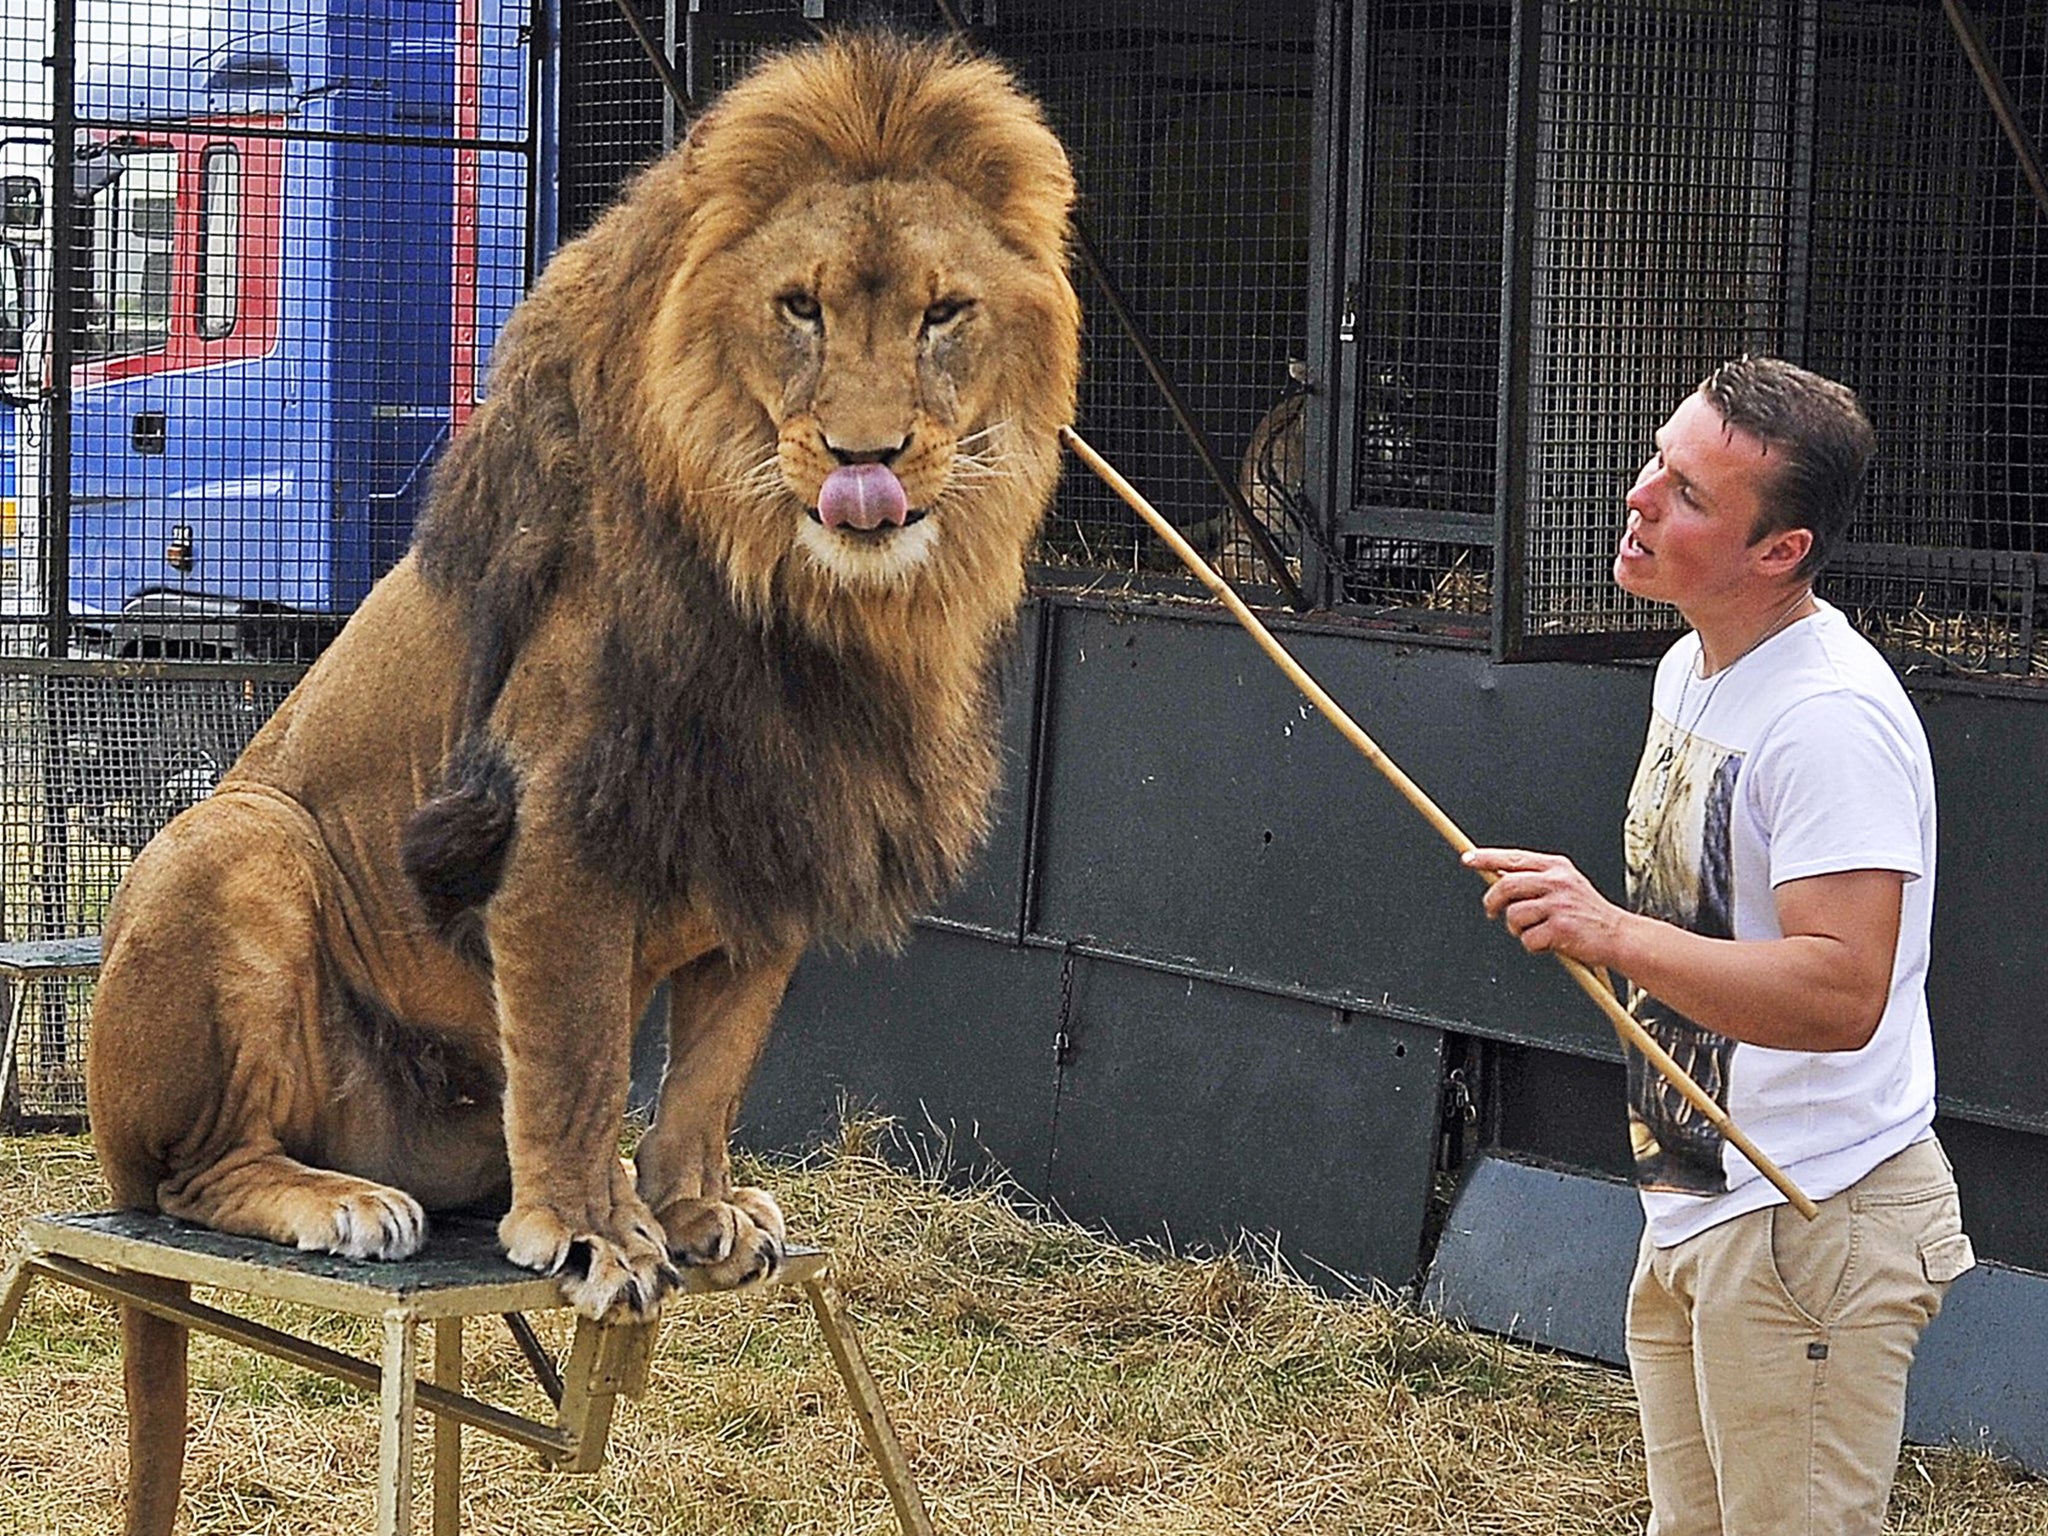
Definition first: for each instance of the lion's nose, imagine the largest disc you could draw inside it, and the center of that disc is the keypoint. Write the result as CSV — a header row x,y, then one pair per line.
x,y
855,453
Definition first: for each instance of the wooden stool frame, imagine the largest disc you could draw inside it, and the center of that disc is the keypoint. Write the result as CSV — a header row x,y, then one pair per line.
x,y
22,966
129,1256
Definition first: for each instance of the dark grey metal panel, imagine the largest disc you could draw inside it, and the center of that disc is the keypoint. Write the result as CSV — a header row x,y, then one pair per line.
x,y
955,1032
1539,1254
1561,1109
1988,985
1193,1112
991,893
1193,808
650,1055
2002,1174
1981,1377
1196,805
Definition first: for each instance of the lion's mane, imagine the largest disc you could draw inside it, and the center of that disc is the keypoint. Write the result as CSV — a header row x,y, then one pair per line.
x,y
802,756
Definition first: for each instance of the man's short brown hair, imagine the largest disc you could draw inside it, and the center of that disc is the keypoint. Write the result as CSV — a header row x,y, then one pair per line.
x,y
1816,431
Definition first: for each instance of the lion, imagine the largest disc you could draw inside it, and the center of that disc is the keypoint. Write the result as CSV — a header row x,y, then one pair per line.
x,y
1270,478
692,665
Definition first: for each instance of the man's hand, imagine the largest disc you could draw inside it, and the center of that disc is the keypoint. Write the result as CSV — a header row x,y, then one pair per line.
x,y
1548,905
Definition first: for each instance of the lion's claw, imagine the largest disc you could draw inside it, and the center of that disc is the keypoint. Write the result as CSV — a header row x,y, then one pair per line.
x,y
372,1223
602,1278
741,1240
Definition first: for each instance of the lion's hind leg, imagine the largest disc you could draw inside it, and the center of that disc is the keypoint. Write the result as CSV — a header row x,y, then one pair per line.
x,y
271,1195
210,1072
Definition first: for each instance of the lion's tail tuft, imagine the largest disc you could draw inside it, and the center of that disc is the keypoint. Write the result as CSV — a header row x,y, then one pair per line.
x,y
456,844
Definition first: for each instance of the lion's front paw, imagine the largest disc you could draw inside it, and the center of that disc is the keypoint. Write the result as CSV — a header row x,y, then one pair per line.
x,y
372,1221
731,1242
604,1275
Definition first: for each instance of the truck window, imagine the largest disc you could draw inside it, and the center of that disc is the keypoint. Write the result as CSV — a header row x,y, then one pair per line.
x,y
131,221
220,240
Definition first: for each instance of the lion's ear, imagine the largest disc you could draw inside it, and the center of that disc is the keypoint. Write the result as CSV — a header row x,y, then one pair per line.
x,y
1029,188
991,140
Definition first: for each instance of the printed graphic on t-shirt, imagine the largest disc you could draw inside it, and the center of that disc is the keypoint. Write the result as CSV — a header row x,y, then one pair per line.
x,y
1679,870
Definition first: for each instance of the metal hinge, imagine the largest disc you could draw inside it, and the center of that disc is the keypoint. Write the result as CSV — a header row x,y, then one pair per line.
x,y
1460,1107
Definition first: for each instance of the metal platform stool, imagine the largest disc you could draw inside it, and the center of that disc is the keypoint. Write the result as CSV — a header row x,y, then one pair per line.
x,y
460,1274
24,963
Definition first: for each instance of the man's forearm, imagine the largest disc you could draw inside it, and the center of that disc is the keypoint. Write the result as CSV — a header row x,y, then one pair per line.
x,y
1803,993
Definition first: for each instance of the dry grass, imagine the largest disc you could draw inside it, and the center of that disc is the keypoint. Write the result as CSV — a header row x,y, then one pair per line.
x,y
1043,1381
1963,644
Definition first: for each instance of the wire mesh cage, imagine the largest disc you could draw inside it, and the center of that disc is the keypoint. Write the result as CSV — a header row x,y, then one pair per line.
x,y
1945,612
269,248
94,761
617,112
1421,315
1846,185
252,257
48,1085
1191,129
612,113
1659,226
1930,291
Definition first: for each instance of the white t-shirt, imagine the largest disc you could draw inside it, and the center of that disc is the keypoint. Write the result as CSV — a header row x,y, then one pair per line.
x,y
1802,758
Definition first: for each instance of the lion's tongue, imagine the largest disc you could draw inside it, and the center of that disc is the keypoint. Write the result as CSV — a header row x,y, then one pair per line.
x,y
862,496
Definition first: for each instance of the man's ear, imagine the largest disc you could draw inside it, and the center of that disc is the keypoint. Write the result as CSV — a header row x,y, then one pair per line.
x,y
1780,554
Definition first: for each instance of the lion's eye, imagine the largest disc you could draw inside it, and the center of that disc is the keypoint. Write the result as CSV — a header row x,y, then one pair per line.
x,y
801,307
944,312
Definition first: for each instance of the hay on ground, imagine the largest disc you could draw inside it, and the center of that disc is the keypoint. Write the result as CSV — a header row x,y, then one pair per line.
x,y
1042,1379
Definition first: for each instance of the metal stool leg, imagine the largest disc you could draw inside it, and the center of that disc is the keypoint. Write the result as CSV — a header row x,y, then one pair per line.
x,y
447,1431
868,1409
20,1274
604,1362
14,999
395,1423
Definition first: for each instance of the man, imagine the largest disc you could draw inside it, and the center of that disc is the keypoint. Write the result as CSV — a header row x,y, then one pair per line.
x,y
1780,853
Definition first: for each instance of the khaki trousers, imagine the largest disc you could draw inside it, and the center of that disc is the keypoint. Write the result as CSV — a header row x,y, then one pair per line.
x,y
1770,1354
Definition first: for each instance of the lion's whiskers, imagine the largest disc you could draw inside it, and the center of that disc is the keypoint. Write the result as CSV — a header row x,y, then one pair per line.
x,y
757,480
983,465
970,442
980,457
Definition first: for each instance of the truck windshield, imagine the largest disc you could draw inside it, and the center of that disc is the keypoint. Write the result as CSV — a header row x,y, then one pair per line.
x,y
127,237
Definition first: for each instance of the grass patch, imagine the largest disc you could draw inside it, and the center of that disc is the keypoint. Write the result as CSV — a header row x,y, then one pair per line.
x,y
1042,1381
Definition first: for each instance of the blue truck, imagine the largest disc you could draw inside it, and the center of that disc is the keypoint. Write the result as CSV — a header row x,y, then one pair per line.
x,y
24,162
295,236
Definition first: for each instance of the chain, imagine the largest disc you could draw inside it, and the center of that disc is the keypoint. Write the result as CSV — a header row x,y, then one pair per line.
x,y
1063,1038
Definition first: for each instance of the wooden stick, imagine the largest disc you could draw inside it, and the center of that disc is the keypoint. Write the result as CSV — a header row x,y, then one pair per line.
x,y
1632,1033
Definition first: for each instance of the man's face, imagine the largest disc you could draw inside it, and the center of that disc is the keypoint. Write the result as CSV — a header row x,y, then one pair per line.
x,y
1692,510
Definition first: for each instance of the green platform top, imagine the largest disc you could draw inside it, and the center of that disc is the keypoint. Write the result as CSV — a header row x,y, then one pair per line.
x,y
461,1270
28,959
459,1273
